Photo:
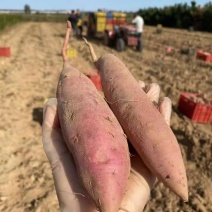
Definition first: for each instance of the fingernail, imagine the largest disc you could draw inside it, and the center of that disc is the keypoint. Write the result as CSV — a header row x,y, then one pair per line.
x,y
49,102
49,115
165,109
153,92
44,110
44,107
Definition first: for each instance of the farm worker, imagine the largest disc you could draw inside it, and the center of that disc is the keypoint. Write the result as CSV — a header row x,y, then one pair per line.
x,y
79,23
139,24
73,20
71,195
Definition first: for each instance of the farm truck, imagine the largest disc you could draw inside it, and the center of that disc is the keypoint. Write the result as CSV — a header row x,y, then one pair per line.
x,y
113,27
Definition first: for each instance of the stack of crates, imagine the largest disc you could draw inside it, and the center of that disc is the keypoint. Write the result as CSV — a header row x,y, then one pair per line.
x,y
109,21
119,18
100,21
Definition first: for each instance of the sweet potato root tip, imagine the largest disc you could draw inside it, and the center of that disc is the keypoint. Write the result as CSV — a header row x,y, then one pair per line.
x,y
92,52
66,41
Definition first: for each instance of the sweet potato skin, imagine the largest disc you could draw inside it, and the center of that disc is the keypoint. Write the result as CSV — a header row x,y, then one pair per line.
x,y
95,138
143,124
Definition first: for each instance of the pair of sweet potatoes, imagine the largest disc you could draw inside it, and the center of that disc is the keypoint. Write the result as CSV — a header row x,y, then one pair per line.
x,y
94,131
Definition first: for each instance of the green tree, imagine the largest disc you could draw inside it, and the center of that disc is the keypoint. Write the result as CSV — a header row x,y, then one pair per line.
x,y
180,16
207,17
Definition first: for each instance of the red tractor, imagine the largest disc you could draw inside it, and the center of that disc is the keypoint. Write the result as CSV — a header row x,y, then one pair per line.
x,y
122,36
114,29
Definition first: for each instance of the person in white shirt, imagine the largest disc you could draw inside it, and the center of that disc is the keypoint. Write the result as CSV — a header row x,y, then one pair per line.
x,y
139,25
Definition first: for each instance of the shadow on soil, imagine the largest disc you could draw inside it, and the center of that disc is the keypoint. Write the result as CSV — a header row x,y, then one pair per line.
x,y
182,136
37,115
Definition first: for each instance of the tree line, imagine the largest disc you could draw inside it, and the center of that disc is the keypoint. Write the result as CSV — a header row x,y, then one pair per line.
x,y
180,16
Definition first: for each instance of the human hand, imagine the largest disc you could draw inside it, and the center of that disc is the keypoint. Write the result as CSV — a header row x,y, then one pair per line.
x,y
70,192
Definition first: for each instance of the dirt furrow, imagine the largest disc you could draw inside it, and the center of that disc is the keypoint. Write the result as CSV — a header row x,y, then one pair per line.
x,y
24,92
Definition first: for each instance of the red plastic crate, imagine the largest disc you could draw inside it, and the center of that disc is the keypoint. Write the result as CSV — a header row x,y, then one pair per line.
x,y
110,21
95,78
198,112
97,82
89,73
205,56
5,52
120,22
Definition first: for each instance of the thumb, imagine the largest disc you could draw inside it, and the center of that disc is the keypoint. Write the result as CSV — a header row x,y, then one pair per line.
x,y
53,143
50,117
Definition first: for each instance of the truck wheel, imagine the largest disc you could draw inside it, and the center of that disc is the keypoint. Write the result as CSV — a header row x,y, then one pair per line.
x,y
120,45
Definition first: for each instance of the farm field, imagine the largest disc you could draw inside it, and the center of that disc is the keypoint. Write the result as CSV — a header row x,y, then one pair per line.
x,y
30,76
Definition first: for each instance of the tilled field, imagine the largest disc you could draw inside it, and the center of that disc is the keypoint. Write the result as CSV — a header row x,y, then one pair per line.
x,y
30,76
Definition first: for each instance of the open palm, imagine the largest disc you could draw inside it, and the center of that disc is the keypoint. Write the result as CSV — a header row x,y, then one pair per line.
x,y
70,192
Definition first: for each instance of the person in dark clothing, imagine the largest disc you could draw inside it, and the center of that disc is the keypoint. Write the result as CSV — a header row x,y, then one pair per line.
x,y
79,23
72,18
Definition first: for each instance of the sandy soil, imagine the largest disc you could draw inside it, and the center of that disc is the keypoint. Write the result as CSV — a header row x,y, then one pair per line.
x,y
30,76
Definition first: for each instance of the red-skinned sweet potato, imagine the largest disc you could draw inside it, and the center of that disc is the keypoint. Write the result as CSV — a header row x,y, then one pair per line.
x,y
94,137
144,126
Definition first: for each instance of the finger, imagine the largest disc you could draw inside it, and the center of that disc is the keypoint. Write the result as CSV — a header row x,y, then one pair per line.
x,y
165,108
50,119
142,84
70,193
140,184
153,92
53,143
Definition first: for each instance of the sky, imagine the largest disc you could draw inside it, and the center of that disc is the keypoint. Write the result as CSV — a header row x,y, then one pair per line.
x,y
123,5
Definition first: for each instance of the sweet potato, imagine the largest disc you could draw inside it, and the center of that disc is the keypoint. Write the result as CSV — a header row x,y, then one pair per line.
x,y
143,124
94,137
